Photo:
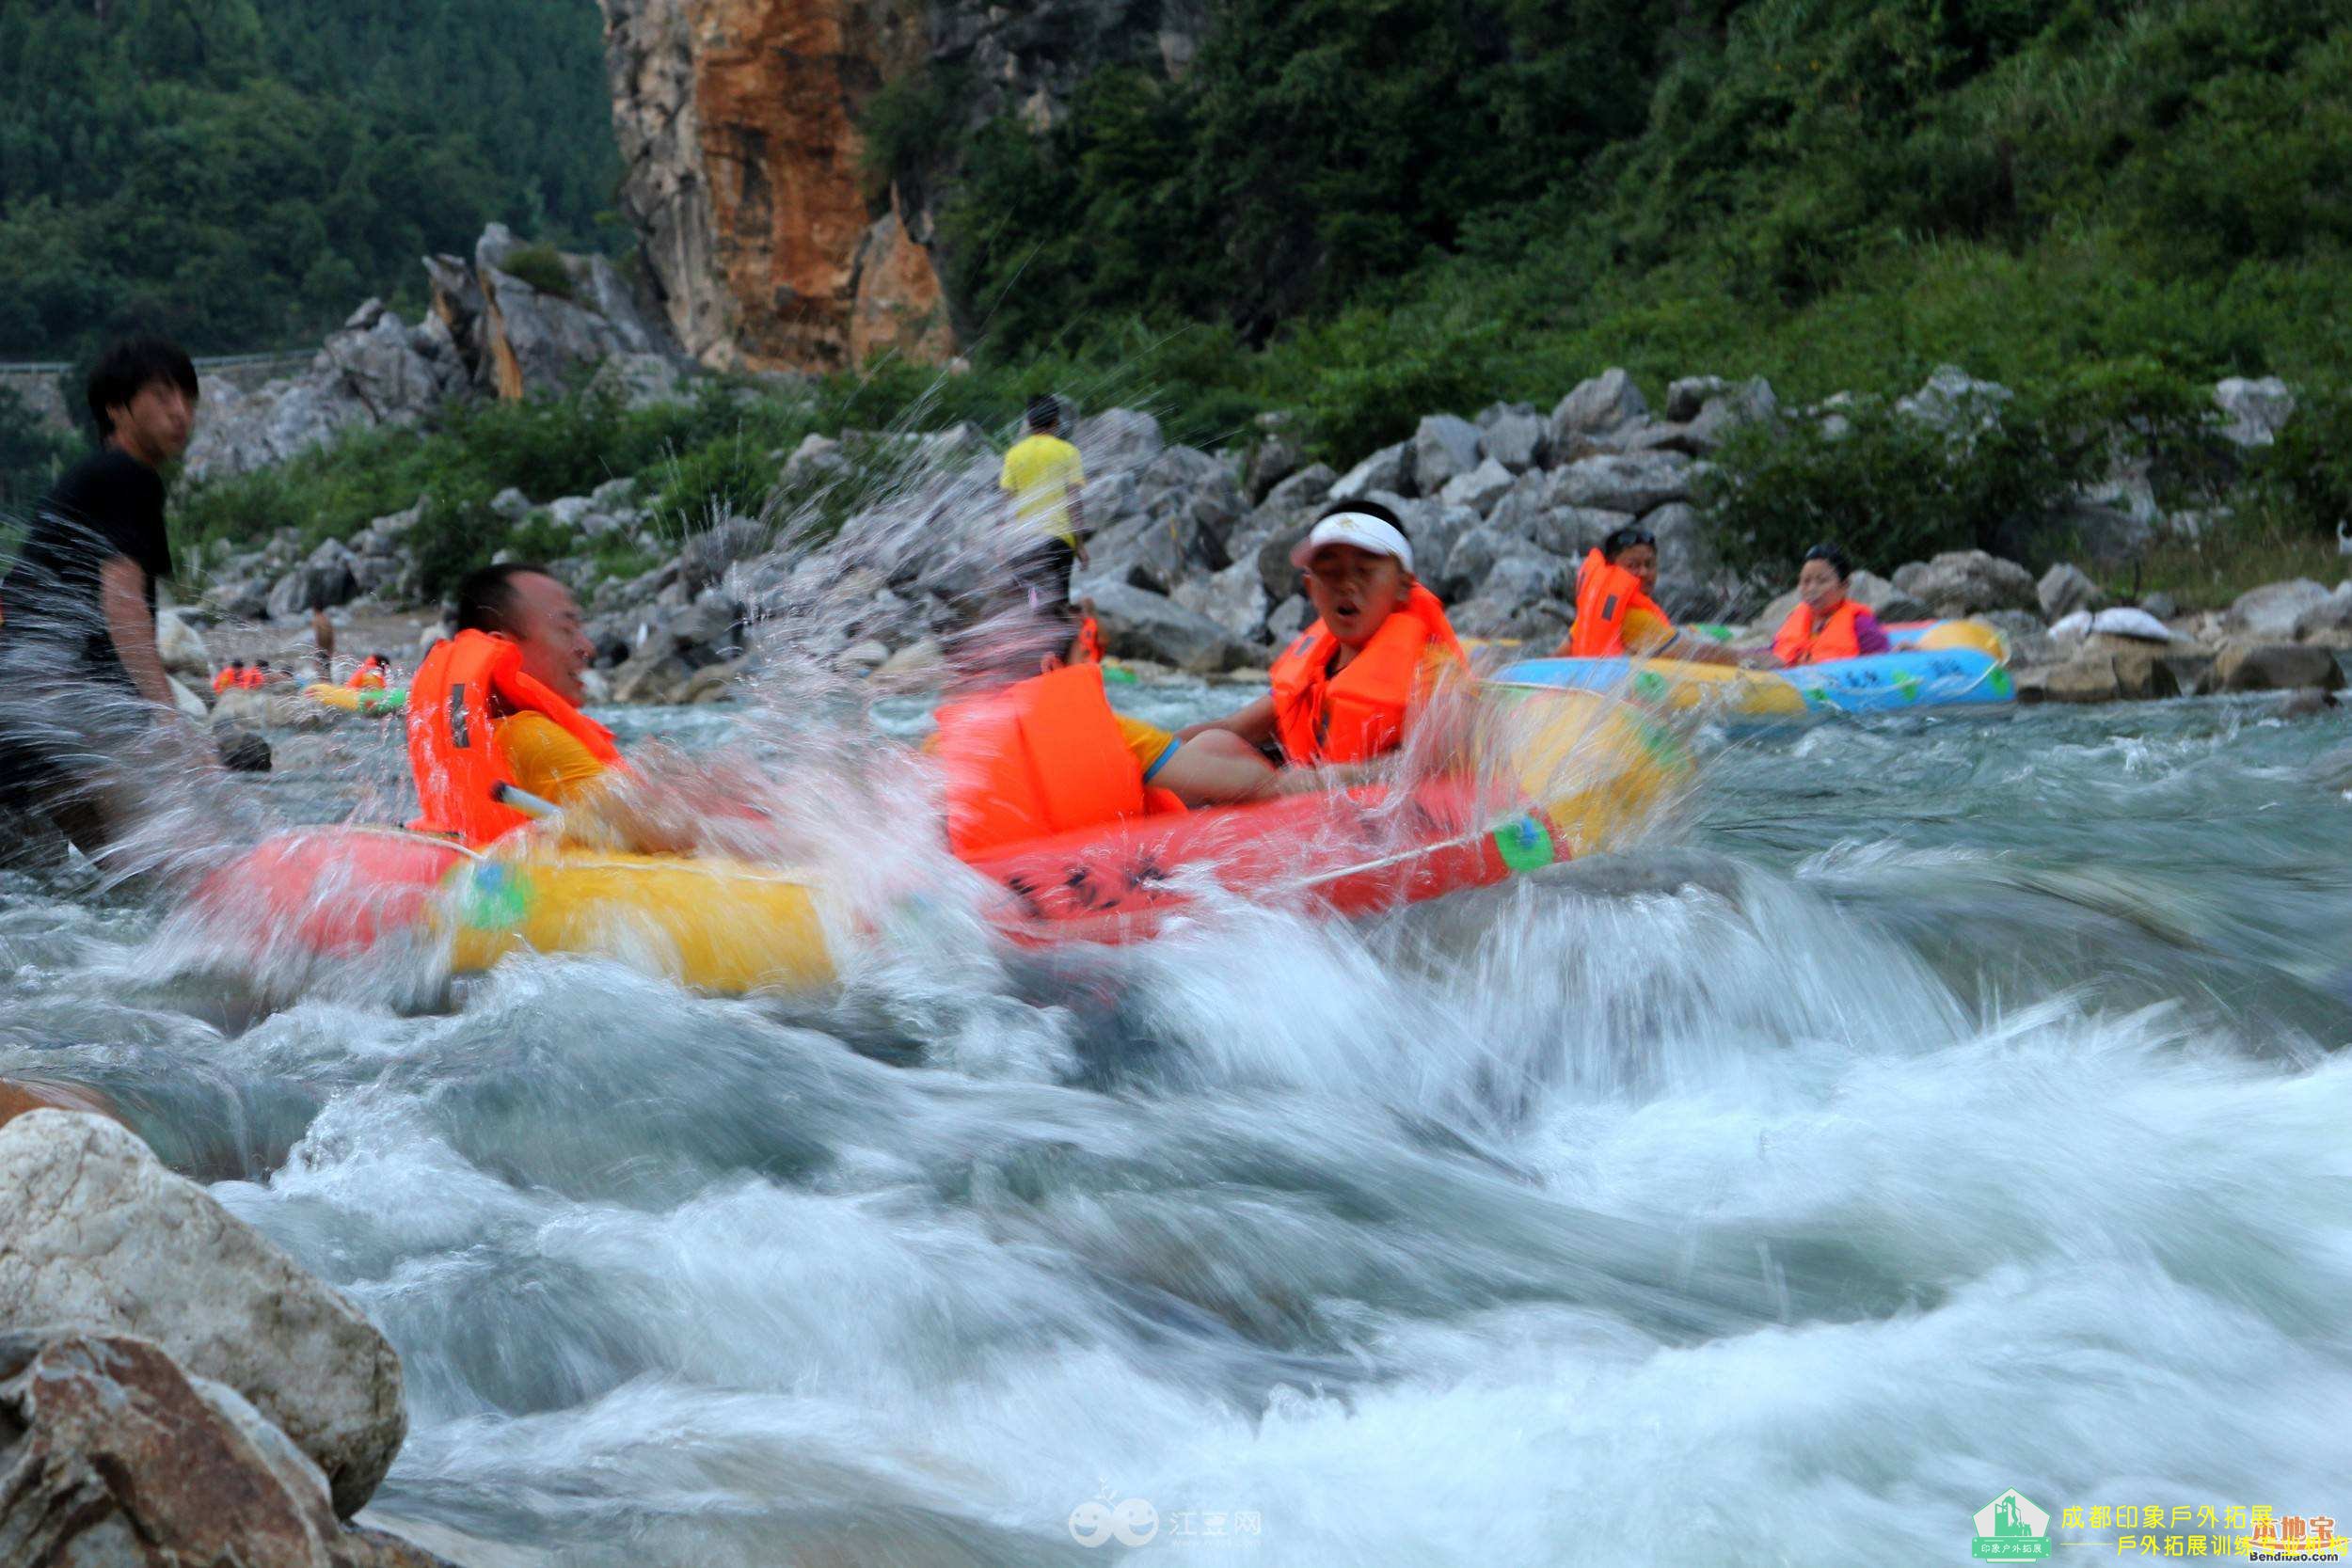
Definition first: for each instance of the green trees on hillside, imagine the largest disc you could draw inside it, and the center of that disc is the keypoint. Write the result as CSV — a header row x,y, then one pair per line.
x,y
240,173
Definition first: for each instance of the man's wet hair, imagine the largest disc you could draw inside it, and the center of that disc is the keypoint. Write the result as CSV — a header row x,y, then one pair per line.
x,y
130,365
486,597
1623,539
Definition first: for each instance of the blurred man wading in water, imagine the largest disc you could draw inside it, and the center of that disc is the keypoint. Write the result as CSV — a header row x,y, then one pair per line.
x,y
81,682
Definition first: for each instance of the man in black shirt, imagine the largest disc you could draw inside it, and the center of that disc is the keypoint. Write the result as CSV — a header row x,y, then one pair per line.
x,y
78,663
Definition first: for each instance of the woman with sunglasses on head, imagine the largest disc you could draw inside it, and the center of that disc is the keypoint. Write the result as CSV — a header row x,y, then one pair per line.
x,y
1616,616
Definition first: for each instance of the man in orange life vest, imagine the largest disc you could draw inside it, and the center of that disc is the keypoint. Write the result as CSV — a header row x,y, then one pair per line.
x,y
1344,690
1047,755
1616,615
369,675
497,704
1826,624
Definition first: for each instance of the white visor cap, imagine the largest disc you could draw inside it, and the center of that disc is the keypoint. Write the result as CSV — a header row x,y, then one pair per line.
x,y
1360,529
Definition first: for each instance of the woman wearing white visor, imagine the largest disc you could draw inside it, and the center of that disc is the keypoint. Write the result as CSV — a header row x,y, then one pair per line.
x,y
1344,692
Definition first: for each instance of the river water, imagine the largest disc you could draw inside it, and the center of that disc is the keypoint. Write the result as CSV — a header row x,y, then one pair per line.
x,y
1922,1110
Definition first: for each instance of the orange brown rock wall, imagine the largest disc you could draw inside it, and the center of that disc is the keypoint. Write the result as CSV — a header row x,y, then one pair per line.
x,y
737,127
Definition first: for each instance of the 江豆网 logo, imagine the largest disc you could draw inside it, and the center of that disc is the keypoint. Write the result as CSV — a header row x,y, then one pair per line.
x,y
2010,1530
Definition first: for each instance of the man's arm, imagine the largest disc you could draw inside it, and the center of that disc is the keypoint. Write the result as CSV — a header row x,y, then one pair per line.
x,y
123,597
1254,724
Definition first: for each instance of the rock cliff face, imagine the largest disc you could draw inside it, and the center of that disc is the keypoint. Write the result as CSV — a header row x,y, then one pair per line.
x,y
772,244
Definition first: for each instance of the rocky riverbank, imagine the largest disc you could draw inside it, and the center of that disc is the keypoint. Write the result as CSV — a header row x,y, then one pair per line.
x,y
173,1387
1188,563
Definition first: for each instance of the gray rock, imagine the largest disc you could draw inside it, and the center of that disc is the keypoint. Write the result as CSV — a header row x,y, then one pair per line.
x,y
1727,405
1390,468
1235,598
2274,666
2108,533
708,554
862,657
1275,460
2065,589
2329,621
1154,553
639,380
511,504
1118,439
112,1454
1479,488
1307,487
2160,605
614,495
1686,558
1517,437
1137,624
1444,446
241,751
1596,412
1954,400
1962,582
2255,411
1285,621
386,373
99,1233
180,647
568,511
1575,531
654,674
2030,642
315,586
1634,482
2270,613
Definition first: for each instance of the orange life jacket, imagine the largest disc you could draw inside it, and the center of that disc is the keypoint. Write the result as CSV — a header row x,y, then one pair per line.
x,y
1359,713
252,679
223,679
1605,596
1799,642
367,677
1090,648
1042,756
467,684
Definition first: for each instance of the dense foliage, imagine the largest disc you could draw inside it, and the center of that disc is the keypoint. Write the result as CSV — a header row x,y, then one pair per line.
x,y
240,173
1414,203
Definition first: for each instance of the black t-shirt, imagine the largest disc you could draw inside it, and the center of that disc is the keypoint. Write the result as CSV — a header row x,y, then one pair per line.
x,y
108,504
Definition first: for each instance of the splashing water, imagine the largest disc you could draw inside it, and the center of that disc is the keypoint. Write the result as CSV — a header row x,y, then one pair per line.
x,y
1927,1110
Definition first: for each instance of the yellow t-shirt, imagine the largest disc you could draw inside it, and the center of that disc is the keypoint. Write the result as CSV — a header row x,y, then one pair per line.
x,y
1042,473
545,759
1645,633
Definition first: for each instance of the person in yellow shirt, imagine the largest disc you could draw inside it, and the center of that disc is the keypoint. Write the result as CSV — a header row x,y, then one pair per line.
x,y
1042,475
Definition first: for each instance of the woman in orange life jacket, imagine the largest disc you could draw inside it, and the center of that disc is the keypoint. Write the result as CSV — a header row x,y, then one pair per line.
x,y
498,703
1344,690
229,674
1826,624
369,675
1027,757
1616,613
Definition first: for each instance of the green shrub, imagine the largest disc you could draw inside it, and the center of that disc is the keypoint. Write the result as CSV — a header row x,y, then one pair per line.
x,y
542,267
2303,481
1890,488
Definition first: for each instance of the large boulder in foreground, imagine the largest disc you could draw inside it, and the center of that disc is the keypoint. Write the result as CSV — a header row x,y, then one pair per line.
x,y
94,1230
111,1453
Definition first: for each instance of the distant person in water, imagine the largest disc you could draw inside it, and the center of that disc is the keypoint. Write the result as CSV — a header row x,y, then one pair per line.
x,y
1044,476
83,679
1826,624
1615,614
